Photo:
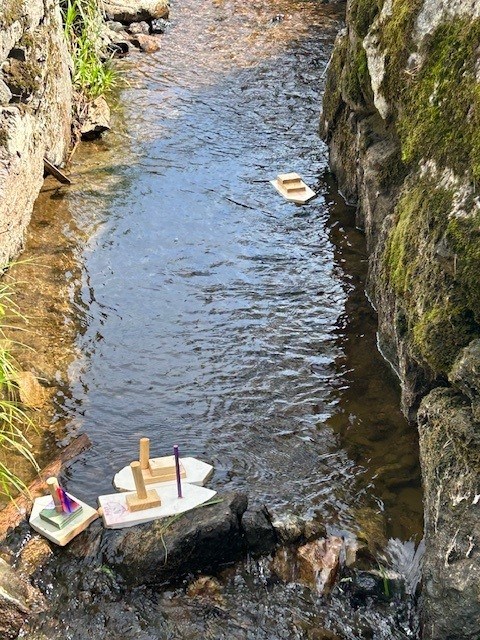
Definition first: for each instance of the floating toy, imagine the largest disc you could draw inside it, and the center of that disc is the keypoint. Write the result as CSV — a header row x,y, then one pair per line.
x,y
162,470
60,516
165,499
292,187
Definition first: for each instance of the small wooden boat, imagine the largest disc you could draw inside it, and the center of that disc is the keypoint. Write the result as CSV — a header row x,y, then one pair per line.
x,y
292,187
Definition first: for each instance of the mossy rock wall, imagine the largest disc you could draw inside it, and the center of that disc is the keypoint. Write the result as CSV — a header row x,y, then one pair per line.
x,y
401,116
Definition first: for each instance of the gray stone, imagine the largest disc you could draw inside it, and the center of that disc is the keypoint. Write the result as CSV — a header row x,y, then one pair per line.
x,y
160,26
258,530
139,27
5,93
450,450
465,375
128,11
19,601
40,128
96,120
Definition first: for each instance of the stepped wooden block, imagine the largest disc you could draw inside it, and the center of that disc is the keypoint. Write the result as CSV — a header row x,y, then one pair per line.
x,y
292,187
162,470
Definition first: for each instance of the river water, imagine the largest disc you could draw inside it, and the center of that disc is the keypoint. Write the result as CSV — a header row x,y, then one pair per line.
x,y
205,310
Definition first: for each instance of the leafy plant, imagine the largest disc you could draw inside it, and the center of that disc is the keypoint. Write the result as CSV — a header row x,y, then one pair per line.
x,y
93,74
14,421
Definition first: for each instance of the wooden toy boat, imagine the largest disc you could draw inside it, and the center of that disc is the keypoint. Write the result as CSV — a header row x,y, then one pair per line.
x,y
292,188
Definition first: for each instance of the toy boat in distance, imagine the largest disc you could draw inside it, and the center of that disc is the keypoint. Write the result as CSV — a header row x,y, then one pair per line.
x,y
292,187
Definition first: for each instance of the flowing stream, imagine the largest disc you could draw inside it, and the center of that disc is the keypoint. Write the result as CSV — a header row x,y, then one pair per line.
x,y
205,310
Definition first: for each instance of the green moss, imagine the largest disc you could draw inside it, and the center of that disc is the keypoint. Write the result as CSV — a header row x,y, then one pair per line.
x,y
433,305
11,11
23,78
356,79
422,218
463,236
440,114
362,13
395,38
441,332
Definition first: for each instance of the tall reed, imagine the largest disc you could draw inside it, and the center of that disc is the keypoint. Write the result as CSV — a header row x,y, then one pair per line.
x,y
93,74
14,421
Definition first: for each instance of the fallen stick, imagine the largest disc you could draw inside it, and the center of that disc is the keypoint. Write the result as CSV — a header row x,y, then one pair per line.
x,y
55,172
15,512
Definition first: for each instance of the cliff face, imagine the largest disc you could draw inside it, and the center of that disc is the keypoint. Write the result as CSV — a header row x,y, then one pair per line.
x,y
401,116
35,109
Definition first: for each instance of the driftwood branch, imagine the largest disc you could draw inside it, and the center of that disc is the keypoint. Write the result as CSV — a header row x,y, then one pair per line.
x,y
15,512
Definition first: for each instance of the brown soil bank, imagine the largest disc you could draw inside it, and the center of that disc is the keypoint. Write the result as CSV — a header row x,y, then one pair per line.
x,y
401,116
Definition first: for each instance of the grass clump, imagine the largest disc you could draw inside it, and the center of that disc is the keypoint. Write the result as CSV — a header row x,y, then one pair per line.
x,y
13,419
93,74
10,12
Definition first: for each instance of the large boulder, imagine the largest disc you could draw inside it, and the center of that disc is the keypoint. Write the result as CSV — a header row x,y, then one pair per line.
x,y
163,550
128,11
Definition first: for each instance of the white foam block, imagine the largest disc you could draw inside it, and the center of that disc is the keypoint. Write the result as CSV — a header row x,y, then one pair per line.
x,y
117,516
60,536
197,472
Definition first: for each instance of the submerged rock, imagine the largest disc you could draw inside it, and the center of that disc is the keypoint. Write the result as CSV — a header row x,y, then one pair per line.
x,y
318,562
148,44
31,392
128,11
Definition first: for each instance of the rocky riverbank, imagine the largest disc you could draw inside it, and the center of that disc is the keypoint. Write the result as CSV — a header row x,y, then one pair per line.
x,y
401,118
38,104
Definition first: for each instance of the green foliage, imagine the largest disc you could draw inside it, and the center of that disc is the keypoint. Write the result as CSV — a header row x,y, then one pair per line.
x,y
431,290
13,419
440,116
93,75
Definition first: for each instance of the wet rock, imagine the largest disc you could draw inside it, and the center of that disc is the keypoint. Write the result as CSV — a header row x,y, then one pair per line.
x,y
450,450
31,392
378,585
160,25
128,11
139,27
19,601
114,26
96,120
465,375
33,555
371,530
258,531
200,540
289,528
322,634
318,562
206,588
147,44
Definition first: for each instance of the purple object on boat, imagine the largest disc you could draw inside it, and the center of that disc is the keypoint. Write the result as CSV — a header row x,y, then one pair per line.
x,y
177,470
